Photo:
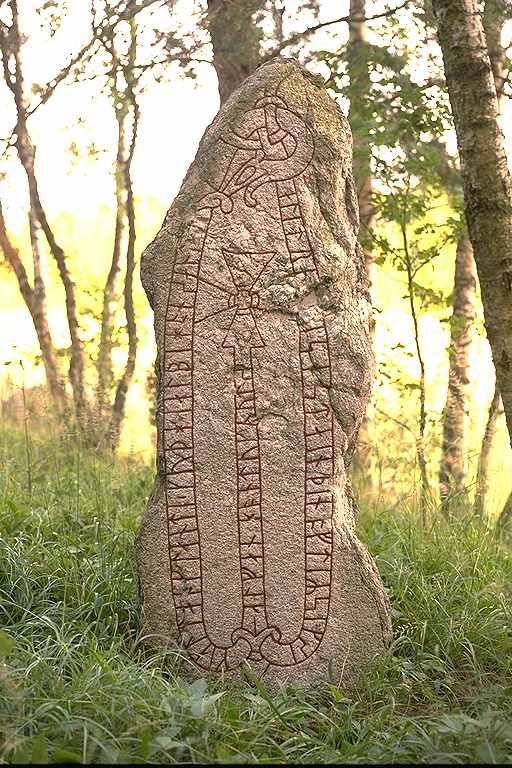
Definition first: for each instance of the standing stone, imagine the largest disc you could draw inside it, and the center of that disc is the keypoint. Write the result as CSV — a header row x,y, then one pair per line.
x,y
247,553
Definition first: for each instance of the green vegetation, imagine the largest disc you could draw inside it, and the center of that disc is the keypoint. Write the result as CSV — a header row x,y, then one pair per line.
x,y
77,685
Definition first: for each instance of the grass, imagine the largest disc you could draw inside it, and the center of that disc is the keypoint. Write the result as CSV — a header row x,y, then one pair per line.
x,y
76,684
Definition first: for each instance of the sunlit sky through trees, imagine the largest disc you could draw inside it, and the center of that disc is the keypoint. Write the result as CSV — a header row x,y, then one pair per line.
x,y
174,113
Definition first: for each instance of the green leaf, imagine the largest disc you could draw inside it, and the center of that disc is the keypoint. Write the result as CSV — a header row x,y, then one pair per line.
x,y
6,644
40,750
66,756
21,755
199,706
146,736
11,505
487,753
166,742
198,687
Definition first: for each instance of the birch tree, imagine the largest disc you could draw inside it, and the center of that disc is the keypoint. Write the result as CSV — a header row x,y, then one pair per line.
x,y
361,118
98,407
452,474
486,178
40,227
452,471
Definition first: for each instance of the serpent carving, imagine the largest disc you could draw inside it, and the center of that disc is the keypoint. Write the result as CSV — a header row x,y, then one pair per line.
x,y
271,147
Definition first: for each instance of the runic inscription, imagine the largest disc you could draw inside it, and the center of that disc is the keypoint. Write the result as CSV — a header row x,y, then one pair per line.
x,y
253,479
272,137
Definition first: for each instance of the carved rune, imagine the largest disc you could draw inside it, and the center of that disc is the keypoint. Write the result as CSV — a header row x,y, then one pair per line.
x,y
272,146
246,270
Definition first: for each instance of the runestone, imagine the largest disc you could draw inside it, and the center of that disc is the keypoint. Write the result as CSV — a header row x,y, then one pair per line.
x,y
247,555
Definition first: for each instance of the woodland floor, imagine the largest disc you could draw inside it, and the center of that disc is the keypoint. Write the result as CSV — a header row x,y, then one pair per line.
x,y
77,686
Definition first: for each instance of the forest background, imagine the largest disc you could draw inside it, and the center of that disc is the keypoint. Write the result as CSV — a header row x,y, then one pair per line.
x,y
113,99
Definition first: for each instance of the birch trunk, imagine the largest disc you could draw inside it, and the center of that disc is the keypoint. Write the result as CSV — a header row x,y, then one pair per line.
x,y
452,468
360,117
118,408
486,178
482,476
37,308
104,361
13,75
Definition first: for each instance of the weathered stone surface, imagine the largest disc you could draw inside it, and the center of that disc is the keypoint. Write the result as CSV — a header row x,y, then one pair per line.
x,y
247,552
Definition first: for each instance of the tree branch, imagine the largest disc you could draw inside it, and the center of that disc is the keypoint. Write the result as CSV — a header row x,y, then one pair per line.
x,y
100,32
297,36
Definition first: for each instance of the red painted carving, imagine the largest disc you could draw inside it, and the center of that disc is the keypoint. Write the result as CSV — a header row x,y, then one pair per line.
x,y
273,147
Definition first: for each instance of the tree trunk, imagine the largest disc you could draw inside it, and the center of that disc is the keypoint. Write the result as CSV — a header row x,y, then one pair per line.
x,y
37,309
360,120
487,181
451,475
77,365
452,467
426,491
361,117
104,361
118,408
482,475
236,41
505,516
